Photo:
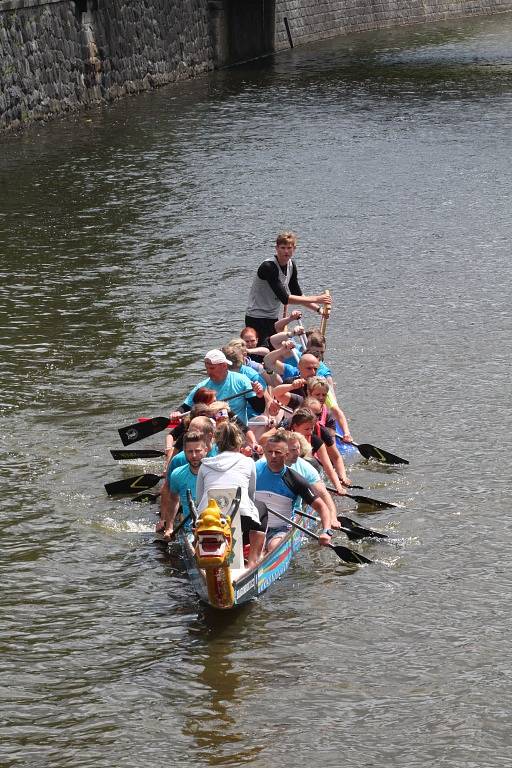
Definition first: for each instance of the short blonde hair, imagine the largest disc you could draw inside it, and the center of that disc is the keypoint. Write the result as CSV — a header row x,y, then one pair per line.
x,y
305,447
286,237
234,354
317,382
288,435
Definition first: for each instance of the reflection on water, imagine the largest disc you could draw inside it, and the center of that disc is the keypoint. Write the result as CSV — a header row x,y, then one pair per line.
x,y
128,236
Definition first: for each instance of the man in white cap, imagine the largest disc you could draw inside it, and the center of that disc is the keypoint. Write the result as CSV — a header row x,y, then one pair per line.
x,y
227,383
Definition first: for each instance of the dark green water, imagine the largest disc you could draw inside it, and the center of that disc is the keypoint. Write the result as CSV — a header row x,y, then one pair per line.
x,y
128,237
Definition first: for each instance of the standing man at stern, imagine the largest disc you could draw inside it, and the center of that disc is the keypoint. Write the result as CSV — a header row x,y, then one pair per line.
x,y
276,283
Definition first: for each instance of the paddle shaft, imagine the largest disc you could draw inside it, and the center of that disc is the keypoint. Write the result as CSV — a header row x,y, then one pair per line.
x,y
352,529
344,553
138,431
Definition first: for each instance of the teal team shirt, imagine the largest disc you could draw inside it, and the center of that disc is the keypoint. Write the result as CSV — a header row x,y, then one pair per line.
x,y
232,384
182,480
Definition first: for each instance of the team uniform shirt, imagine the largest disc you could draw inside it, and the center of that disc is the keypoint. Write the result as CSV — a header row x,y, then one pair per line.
x,y
271,288
280,490
253,376
308,472
292,372
232,384
180,481
179,460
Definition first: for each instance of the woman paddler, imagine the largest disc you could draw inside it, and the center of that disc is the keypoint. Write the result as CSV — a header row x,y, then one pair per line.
x,y
276,284
230,469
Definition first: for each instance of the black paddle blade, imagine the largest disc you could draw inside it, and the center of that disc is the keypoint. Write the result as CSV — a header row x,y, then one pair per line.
x,y
132,484
146,496
141,429
349,556
370,502
354,531
371,452
125,455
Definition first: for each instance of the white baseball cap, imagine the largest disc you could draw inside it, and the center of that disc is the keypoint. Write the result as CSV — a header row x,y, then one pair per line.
x,y
216,356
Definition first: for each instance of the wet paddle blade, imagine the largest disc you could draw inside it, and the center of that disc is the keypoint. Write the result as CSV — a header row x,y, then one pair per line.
x,y
349,556
363,499
132,484
354,531
126,455
146,496
370,502
371,452
141,429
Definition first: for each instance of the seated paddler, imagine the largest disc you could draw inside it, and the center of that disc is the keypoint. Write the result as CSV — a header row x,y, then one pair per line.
x,y
278,487
230,469
228,385
180,480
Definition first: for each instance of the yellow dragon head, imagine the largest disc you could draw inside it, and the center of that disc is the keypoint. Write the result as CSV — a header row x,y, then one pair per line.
x,y
214,541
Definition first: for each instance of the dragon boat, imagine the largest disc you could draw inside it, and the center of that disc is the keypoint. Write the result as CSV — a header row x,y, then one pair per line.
x,y
213,554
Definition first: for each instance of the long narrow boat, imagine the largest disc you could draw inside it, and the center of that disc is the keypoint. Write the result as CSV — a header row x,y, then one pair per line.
x,y
213,557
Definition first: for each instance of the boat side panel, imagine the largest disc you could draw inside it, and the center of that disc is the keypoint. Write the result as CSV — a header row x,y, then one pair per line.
x,y
194,573
269,570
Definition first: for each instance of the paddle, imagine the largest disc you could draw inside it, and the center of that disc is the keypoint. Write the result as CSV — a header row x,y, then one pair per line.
x,y
125,455
179,526
130,484
379,454
363,499
344,553
146,496
141,429
351,529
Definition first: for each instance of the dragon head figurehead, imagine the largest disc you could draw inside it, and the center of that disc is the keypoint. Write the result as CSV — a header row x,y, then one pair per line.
x,y
214,541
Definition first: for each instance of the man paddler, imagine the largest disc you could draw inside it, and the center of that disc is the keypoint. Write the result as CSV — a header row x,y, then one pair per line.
x,y
276,284
227,385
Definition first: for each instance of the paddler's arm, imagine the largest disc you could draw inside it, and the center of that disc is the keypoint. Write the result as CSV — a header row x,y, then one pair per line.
x,y
342,421
280,325
283,392
258,403
269,271
169,505
326,497
323,457
325,516
278,338
274,359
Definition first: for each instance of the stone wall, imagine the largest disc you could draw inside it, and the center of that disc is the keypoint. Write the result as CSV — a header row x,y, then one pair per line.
x,y
311,20
59,56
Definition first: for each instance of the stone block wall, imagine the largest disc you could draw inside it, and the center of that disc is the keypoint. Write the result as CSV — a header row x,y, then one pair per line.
x,y
311,20
58,55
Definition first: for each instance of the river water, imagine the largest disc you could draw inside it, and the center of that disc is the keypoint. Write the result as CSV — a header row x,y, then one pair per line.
x,y
128,238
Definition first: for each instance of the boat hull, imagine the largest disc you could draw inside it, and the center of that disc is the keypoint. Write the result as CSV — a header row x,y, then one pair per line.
x,y
250,584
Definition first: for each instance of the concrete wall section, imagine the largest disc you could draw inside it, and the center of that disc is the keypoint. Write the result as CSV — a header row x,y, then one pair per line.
x,y
311,20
